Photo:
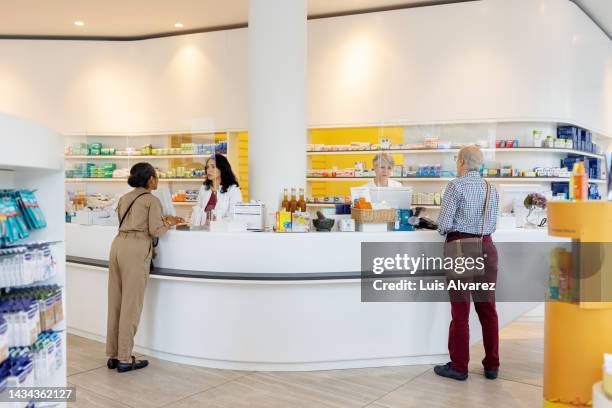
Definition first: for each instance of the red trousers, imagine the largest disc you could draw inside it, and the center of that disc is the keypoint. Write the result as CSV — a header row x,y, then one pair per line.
x,y
484,304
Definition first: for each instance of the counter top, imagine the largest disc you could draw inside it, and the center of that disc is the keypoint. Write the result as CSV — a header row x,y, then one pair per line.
x,y
290,295
259,255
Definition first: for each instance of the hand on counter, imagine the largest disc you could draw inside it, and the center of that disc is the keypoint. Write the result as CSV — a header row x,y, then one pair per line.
x,y
172,220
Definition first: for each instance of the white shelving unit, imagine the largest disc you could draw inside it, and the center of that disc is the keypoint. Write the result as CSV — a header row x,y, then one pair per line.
x,y
124,180
514,150
118,186
485,133
108,157
185,203
447,179
431,206
33,159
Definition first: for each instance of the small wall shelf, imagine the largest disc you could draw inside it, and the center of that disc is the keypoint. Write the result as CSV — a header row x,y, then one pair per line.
x,y
124,180
446,179
146,157
450,151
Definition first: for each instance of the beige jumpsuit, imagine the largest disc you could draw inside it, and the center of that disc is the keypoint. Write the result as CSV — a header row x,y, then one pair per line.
x,y
129,263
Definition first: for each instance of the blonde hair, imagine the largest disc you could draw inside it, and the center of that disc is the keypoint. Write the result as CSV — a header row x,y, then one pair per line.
x,y
472,157
383,158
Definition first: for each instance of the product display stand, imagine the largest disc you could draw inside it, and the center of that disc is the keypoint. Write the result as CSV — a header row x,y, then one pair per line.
x,y
579,332
33,160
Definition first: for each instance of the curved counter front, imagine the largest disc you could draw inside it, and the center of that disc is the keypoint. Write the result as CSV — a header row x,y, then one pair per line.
x,y
265,301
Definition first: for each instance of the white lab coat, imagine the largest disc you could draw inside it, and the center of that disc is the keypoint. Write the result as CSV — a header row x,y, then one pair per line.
x,y
225,201
390,183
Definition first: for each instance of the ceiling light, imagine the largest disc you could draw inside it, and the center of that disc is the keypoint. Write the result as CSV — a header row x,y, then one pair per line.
x,y
178,25
79,23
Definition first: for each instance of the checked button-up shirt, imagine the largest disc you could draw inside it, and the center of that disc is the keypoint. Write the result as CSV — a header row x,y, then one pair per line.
x,y
463,204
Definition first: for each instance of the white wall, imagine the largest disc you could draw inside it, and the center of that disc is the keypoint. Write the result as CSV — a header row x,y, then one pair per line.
x,y
540,60
537,60
194,82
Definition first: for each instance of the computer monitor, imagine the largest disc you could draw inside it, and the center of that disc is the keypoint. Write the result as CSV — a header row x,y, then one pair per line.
x,y
396,197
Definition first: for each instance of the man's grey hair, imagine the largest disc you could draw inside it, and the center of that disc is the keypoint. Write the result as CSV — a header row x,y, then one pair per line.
x,y
472,157
382,159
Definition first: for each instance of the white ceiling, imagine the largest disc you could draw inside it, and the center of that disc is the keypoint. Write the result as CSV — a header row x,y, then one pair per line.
x,y
132,18
136,18
600,11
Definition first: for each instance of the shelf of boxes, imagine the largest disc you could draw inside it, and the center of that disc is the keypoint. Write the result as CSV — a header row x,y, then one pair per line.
x,y
33,161
324,205
454,151
124,180
184,203
446,179
140,157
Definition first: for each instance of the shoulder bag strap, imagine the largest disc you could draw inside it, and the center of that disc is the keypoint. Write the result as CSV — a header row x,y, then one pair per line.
x,y
485,210
129,208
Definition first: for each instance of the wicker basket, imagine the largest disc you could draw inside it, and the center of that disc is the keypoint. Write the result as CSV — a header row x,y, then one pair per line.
x,y
373,216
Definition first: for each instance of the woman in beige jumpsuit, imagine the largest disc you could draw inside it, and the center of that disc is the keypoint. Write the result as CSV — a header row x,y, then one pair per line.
x,y
129,264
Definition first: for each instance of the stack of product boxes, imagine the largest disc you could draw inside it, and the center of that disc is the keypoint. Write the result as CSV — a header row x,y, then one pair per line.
x,y
29,350
91,170
581,138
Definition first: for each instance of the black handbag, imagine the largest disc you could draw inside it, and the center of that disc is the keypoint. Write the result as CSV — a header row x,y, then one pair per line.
x,y
154,242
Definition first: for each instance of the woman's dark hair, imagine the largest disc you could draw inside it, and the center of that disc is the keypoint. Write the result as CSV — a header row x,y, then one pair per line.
x,y
228,178
140,173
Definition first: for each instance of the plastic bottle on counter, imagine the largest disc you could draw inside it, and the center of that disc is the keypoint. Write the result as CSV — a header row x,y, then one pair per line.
x,y
581,182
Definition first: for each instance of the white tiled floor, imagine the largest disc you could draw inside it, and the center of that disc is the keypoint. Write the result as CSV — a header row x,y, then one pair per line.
x,y
166,384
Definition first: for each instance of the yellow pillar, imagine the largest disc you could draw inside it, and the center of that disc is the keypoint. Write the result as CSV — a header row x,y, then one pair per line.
x,y
577,334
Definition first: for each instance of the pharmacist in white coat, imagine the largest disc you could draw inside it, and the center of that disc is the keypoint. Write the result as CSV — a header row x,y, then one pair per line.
x,y
383,164
220,192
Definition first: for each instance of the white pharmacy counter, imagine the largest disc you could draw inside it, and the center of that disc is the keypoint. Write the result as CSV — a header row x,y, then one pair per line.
x,y
268,301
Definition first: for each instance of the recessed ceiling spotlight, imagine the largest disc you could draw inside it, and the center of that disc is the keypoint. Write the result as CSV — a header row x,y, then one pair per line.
x,y
79,23
178,25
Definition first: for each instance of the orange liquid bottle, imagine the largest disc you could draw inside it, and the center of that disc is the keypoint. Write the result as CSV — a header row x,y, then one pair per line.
x,y
580,182
293,202
301,204
285,203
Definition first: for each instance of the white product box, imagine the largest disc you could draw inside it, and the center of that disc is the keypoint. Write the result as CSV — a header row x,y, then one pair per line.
x,y
251,214
366,227
346,225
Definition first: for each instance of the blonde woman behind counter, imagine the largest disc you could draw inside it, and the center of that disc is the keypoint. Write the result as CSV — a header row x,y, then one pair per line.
x,y
383,167
219,192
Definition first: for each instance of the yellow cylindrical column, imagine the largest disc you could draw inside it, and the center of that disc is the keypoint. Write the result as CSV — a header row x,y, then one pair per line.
x,y
575,340
576,335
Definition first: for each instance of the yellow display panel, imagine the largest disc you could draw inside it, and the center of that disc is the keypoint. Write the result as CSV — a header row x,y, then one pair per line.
x,y
576,335
243,164
574,344
588,221
346,136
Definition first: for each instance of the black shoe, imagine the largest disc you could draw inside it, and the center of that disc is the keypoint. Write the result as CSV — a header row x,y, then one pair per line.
x,y
134,365
112,363
491,374
448,372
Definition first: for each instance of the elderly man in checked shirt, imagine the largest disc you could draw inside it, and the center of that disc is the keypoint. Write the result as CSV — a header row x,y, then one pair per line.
x,y
461,216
